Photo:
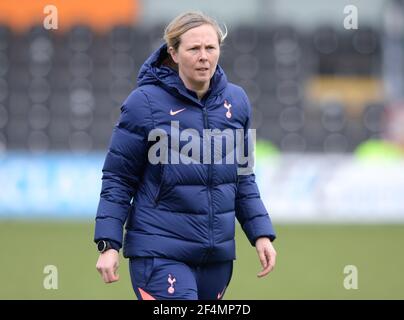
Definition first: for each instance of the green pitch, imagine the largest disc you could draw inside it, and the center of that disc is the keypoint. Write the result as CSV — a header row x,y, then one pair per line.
x,y
310,264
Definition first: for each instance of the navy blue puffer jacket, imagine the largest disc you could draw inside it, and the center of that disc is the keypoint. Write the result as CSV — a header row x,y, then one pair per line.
x,y
184,212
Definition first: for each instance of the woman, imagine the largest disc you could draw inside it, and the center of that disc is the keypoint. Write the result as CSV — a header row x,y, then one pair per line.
x,y
180,215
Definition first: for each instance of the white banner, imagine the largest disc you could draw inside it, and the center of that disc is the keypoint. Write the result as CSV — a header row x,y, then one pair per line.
x,y
321,188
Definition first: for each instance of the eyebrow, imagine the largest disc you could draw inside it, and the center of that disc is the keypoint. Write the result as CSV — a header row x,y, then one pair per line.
x,y
198,45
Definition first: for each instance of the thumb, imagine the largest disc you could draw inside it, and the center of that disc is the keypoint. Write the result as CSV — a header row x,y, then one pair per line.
x,y
116,275
112,275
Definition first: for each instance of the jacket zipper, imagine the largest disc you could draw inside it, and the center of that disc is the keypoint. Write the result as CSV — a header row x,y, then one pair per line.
x,y
211,241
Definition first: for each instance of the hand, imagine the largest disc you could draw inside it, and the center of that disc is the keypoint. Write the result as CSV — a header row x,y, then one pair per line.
x,y
108,264
267,255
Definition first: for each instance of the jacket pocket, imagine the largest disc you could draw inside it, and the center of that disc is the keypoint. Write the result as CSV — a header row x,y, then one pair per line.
x,y
160,186
141,269
149,264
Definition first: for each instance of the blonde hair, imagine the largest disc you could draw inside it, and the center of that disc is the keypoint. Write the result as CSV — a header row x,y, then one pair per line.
x,y
186,21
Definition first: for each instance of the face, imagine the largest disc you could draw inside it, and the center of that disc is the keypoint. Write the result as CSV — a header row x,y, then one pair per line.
x,y
197,56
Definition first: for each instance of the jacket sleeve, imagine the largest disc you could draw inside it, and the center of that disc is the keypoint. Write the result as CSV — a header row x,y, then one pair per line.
x,y
250,210
123,167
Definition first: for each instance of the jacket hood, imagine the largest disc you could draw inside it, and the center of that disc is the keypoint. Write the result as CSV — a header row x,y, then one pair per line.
x,y
153,71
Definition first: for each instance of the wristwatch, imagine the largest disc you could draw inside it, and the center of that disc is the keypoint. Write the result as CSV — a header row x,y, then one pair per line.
x,y
103,246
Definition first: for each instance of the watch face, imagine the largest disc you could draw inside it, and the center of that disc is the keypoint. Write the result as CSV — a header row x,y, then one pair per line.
x,y
101,246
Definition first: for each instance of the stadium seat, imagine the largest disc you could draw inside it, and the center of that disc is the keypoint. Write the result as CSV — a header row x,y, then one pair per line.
x,y
293,142
366,41
121,39
80,38
244,39
333,116
335,143
373,117
291,119
5,37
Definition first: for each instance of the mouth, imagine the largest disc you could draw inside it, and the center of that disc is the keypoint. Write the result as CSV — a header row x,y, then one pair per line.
x,y
202,69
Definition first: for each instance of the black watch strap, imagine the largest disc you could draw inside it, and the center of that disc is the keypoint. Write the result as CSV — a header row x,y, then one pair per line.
x,y
103,245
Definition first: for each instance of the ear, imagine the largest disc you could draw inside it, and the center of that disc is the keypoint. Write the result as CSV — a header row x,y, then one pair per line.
x,y
173,54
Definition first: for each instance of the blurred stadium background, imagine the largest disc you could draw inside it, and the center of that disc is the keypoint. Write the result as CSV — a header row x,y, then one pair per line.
x,y
328,108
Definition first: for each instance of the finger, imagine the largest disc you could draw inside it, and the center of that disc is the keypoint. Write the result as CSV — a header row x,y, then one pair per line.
x,y
104,275
265,271
115,271
263,260
262,257
111,276
101,272
115,276
270,259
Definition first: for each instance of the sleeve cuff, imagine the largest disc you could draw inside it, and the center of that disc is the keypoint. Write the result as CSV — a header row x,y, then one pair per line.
x,y
260,226
108,228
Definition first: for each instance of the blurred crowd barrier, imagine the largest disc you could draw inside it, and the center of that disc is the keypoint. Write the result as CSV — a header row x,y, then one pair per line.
x,y
294,187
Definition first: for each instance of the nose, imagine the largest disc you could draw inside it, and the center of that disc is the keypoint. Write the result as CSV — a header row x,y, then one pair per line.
x,y
203,55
